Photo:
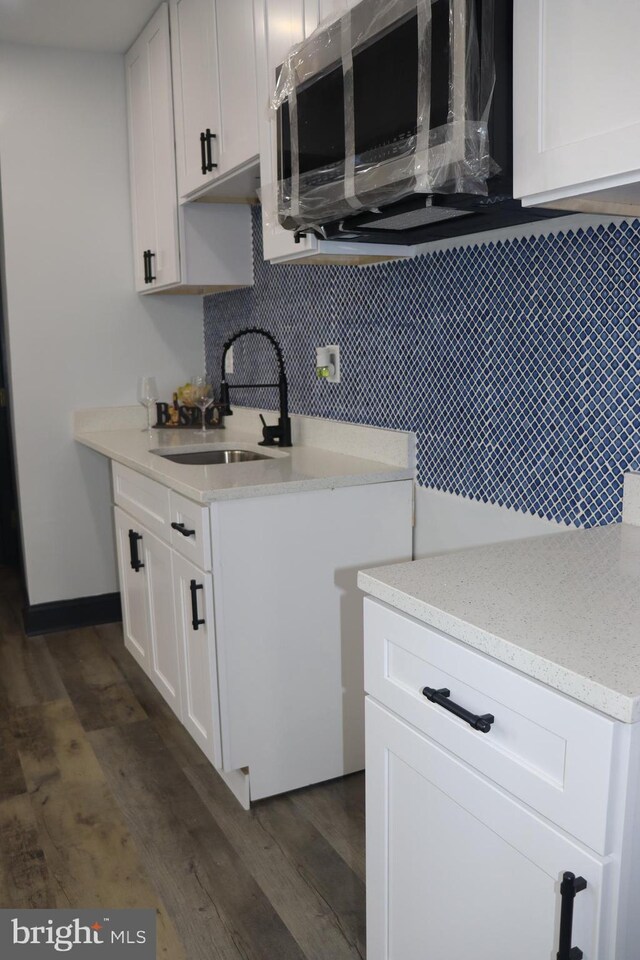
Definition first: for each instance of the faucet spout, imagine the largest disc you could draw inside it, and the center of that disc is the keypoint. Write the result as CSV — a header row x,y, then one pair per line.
x,y
280,434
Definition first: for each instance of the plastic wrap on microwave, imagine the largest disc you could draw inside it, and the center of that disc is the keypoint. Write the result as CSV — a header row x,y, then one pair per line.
x,y
344,69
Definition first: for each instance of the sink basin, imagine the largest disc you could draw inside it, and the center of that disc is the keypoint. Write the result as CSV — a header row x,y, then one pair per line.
x,y
203,457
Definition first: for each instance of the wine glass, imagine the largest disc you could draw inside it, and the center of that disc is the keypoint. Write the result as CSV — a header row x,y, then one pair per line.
x,y
202,393
147,396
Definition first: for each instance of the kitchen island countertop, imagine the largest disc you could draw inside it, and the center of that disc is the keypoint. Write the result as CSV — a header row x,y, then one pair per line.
x,y
563,609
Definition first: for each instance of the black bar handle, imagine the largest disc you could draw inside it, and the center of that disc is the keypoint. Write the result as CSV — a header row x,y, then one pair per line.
x,y
570,886
180,527
152,276
136,562
203,158
195,621
147,269
441,697
209,137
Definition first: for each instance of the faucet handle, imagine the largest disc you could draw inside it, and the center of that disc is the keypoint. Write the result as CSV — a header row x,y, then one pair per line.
x,y
269,434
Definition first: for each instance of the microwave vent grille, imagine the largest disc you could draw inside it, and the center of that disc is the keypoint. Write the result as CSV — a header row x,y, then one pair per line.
x,y
413,218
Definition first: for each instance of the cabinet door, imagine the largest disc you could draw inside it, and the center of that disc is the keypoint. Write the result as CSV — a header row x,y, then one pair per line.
x,y
133,588
163,639
279,25
152,155
196,91
237,79
140,157
456,868
196,637
576,109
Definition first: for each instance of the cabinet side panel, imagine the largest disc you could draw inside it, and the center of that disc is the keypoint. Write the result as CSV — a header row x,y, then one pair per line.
x,y
289,626
627,907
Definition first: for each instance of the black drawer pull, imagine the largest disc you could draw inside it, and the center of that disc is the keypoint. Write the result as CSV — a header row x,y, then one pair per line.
x,y
180,527
136,562
195,621
145,258
203,158
210,164
152,275
441,697
570,886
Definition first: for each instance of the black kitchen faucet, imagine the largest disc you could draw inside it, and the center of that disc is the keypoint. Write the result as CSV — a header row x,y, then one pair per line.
x,y
271,436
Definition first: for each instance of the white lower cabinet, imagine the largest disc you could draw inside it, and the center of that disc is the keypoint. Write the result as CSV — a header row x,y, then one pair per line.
x,y
484,810
245,614
196,640
147,600
458,869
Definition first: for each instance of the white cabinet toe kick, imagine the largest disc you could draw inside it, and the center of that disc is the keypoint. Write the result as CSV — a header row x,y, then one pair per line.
x,y
245,614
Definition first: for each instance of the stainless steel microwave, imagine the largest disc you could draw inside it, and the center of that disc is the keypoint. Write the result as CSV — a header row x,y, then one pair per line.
x,y
395,123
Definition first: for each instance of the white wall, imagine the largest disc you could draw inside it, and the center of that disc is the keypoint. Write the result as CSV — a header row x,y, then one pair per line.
x,y
78,335
445,522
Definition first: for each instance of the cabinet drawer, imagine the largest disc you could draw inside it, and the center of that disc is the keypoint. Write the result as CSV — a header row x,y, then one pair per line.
x,y
143,499
190,530
551,752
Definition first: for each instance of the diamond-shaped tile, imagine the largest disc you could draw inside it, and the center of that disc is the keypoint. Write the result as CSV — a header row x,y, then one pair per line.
x,y
516,362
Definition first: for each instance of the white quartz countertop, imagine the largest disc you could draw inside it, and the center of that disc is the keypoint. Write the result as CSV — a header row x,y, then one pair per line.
x,y
297,468
564,609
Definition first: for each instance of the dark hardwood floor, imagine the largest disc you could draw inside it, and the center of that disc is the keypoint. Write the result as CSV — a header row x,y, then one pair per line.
x,y
106,801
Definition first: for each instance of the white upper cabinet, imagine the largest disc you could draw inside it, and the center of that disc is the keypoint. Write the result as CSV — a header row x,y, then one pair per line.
x,y
152,160
199,248
576,107
238,96
215,97
279,25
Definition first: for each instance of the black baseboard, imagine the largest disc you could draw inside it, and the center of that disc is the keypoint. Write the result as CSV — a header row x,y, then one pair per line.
x,y
69,614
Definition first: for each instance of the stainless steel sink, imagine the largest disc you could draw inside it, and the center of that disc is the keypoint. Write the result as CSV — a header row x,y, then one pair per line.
x,y
203,457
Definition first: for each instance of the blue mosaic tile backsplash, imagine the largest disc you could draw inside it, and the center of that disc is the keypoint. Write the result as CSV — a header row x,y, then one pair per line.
x,y
516,363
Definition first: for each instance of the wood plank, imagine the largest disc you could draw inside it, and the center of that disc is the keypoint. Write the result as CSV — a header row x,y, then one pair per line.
x,y
218,908
11,602
12,782
320,865
336,809
24,877
27,672
315,893
95,685
89,852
